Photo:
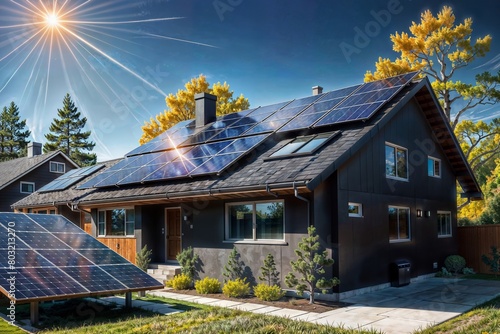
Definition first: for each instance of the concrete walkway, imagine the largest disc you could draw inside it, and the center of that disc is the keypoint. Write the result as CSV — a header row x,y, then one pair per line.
x,y
393,310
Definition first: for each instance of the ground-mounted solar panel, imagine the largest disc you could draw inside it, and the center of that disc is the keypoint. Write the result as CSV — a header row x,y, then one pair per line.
x,y
365,101
55,259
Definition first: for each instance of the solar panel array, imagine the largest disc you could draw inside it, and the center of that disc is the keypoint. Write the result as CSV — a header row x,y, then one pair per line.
x,y
55,259
70,178
184,151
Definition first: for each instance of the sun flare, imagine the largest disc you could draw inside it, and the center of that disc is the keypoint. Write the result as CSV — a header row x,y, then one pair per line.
x,y
52,20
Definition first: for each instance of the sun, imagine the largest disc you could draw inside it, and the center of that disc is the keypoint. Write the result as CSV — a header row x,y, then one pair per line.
x,y
52,20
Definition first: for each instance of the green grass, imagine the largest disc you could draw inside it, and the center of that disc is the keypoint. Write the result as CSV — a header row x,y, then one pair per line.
x,y
7,328
484,319
489,277
75,316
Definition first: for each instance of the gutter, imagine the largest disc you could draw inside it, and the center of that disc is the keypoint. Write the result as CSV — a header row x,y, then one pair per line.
x,y
296,190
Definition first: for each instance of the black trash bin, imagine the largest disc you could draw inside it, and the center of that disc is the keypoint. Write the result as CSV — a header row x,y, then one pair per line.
x,y
400,273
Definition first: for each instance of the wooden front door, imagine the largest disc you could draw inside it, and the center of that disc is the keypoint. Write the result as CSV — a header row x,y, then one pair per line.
x,y
173,235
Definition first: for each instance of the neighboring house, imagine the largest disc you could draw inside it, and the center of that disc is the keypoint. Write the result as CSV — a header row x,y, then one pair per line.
x,y
22,176
374,167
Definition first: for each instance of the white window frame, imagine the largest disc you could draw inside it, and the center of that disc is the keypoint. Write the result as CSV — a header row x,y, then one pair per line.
x,y
448,213
434,161
54,167
28,184
409,224
396,177
254,224
104,223
360,210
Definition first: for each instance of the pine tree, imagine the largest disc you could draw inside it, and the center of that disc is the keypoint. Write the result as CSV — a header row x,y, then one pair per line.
x,y
269,273
13,135
234,267
310,265
66,135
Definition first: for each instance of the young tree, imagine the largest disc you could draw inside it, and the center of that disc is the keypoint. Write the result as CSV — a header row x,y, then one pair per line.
x,y
234,267
66,135
13,133
269,273
181,106
310,265
439,48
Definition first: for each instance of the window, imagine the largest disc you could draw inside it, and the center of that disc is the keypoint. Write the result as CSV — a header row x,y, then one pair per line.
x,y
396,162
116,222
355,210
255,221
27,187
399,224
433,167
57,167
303,145
444,224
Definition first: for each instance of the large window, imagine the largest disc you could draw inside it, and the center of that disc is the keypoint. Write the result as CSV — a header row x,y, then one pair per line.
x,y
396,162
255,221
399,224
116,222
57,167
444,224
433,167
27,187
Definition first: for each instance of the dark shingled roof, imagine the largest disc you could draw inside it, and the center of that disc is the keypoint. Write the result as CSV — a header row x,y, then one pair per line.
x,y
12,170
256,172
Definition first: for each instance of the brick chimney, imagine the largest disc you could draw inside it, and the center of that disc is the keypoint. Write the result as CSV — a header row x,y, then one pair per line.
x,y
34,149
317,90
205,108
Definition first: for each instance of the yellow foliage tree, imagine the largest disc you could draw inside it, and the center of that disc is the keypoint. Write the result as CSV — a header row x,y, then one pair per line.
x,y
181,106
439,47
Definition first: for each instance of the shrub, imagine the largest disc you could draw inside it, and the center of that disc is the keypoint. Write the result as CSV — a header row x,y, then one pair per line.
x,y
468,271
454,264
494,261
268,292
207,285
143,258
181,282
188,261
237,288
269,272
443,273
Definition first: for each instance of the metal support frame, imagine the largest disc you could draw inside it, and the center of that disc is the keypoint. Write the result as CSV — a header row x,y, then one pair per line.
x,y
128,300
34,313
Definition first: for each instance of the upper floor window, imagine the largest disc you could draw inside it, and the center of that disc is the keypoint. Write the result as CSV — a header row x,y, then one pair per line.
x,y
444,223
255,221
304,145
396,162
433,167
399,224
27,187
57,167
116,222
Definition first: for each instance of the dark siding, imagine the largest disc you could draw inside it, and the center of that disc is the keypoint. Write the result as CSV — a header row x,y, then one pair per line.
x,y
365,252
40,176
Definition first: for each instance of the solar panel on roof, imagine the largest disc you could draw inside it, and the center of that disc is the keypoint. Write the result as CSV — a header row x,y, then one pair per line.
x,y
63,264
365,101
70,178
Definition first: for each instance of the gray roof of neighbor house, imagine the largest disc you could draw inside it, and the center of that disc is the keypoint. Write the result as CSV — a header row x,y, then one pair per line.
x,y
259,174
12,170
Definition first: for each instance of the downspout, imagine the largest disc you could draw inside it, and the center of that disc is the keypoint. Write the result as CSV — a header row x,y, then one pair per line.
x,y
268,189
296,190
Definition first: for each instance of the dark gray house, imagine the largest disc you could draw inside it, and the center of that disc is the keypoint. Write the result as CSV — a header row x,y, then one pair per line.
x,y
23,176
374,167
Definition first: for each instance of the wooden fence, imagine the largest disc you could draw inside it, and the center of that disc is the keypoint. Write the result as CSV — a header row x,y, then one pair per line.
x,y
474,241
123,246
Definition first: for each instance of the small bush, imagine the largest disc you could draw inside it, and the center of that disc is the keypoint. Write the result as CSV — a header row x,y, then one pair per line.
x,y
181,282
207,285
443,273
237,288
468,271
454,264
188,261
492,261
268,292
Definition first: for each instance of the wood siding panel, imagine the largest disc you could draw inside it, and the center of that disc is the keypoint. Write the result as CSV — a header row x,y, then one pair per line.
x,y
474,241
123,246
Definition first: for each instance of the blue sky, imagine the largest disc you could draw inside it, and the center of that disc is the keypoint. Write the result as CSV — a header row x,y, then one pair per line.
x,y
123,57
